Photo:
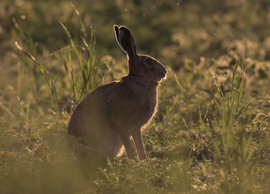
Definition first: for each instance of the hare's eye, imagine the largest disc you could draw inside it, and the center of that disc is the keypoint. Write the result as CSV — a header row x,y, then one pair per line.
x,y
148,65
149,61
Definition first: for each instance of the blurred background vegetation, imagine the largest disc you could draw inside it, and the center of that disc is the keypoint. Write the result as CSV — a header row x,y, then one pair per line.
x,y
200,42
170,30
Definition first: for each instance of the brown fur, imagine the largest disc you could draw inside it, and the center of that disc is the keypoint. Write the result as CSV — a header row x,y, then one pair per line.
x,y
110,115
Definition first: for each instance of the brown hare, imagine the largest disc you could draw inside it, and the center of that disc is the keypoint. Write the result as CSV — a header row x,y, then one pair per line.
x,y
110,115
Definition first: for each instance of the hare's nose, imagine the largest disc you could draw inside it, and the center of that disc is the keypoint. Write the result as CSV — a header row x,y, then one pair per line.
x,y
165,71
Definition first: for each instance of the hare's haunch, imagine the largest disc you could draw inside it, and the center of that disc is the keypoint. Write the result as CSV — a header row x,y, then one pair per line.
x,y
109,116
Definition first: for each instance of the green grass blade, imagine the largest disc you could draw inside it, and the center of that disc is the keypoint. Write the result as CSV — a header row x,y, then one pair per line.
x,y
72,44
40,67
234,70
241,88
177,81
80,19
244,108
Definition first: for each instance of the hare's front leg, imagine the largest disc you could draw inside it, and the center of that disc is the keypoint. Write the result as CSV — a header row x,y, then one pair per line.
x,y
137,137
128,145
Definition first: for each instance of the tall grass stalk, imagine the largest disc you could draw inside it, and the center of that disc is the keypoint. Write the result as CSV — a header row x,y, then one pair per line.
x,y
48,76
237,155
20,77
85,55
27,39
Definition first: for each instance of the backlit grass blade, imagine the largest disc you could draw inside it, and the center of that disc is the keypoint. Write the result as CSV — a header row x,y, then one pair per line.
x,y
233,94
80,19
72,44
244,108
177,81
46,74
241,87
40,67
60,51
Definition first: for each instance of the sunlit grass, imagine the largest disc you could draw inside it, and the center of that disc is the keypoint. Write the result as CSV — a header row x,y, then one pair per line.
x,y
210,134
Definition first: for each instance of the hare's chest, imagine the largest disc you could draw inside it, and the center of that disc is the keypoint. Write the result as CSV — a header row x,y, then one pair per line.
x,y
149,108
136,115
145,110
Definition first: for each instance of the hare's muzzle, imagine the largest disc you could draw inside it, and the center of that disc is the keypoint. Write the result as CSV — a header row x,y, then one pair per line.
x,y
162,73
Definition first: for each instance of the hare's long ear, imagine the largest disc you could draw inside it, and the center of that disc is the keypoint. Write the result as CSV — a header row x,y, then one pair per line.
x,y
125,40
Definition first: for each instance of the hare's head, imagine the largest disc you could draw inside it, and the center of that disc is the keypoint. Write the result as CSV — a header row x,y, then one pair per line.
x,y
139,65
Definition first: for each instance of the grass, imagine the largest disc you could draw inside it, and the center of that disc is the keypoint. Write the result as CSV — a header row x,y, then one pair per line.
x,y
211,131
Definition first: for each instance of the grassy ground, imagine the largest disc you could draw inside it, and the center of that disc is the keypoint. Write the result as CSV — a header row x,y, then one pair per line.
x,y
211,132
